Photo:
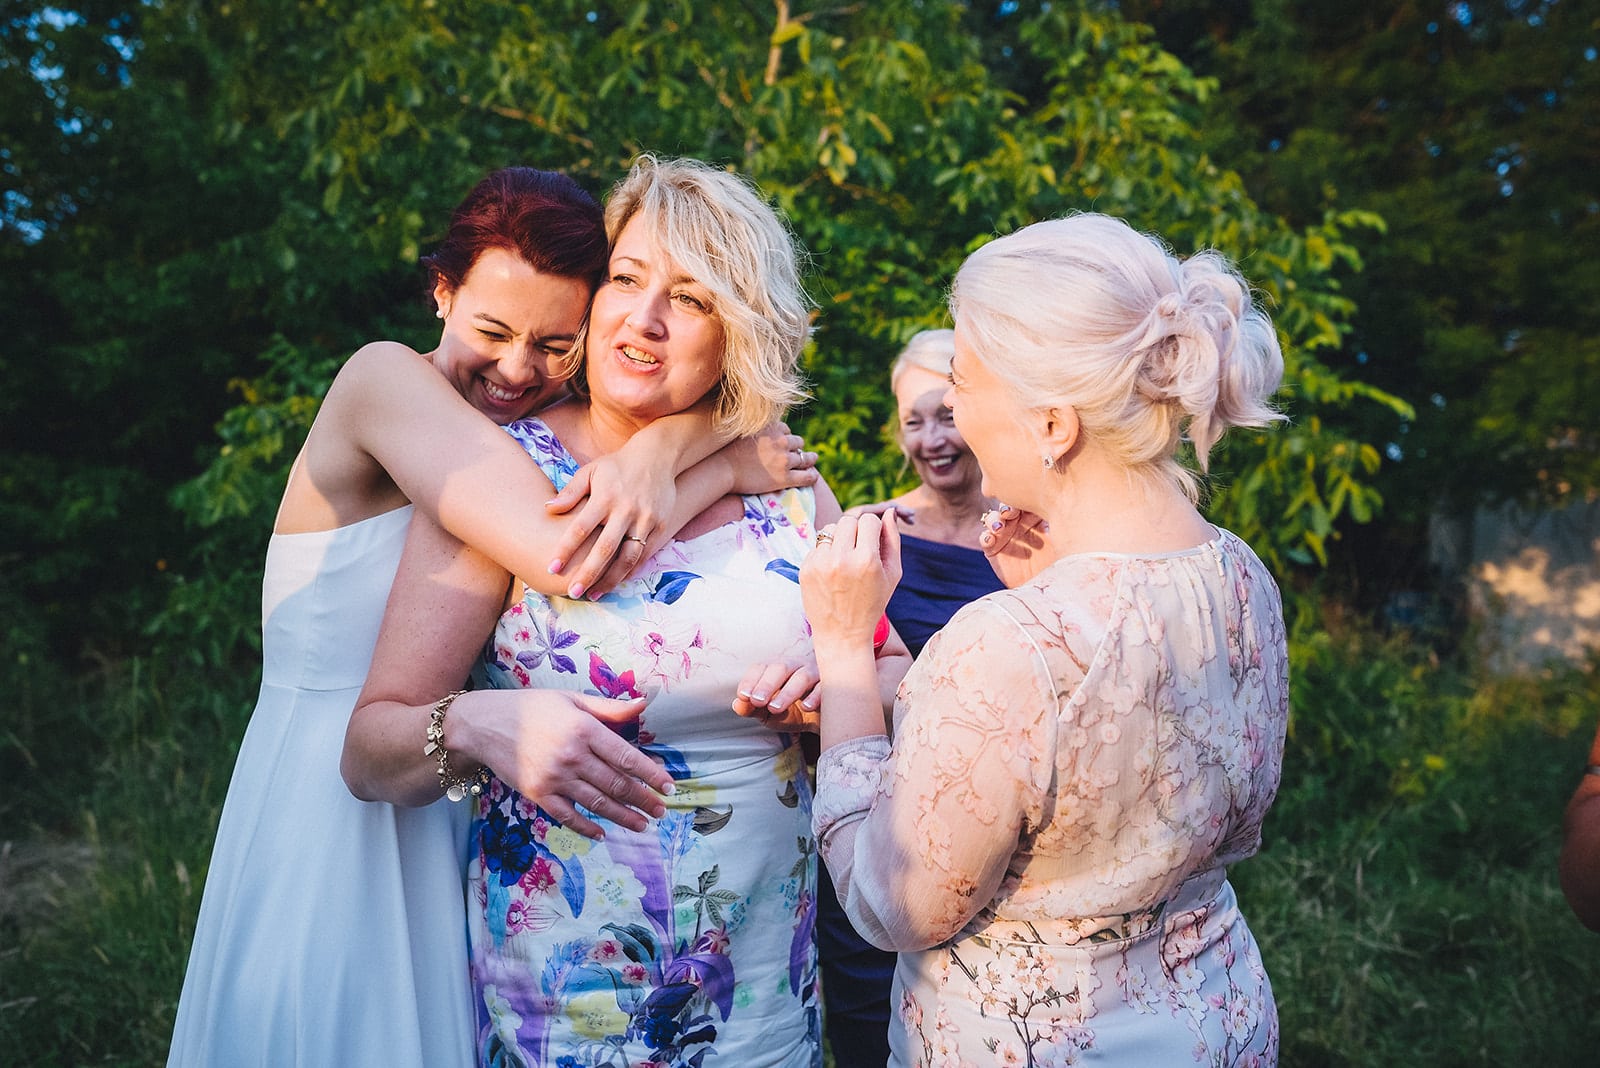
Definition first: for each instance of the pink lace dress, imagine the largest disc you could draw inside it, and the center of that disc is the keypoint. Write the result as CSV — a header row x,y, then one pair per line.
x,y
1084,755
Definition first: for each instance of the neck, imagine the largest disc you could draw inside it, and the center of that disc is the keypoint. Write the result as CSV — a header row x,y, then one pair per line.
x,y
589,431
1095,506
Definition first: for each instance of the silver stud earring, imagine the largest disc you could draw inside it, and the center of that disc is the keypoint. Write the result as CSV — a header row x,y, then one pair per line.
x,y
1049,461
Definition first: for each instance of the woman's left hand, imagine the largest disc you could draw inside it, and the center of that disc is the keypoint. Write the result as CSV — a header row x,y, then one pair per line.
x,y
625,505
846,581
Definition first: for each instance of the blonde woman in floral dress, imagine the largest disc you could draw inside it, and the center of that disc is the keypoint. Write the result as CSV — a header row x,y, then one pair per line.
x,y
688,942
1078,758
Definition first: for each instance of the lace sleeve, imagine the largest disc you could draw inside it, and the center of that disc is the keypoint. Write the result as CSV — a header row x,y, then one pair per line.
x,y
918,837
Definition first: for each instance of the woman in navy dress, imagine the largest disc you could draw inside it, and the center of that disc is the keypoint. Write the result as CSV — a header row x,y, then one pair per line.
x,y
944,567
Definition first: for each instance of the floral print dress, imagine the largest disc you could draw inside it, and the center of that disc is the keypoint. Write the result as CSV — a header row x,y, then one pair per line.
x,y
689,943
1083,756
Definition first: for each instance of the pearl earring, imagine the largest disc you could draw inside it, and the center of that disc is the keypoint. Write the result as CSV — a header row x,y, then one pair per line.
x,y
438,313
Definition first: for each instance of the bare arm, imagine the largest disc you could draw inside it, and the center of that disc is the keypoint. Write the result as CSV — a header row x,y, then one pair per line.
x,y
553,746
461,470
1580,845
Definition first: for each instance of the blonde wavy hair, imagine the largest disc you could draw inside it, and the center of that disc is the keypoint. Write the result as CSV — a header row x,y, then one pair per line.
x,y
1088,312
715,227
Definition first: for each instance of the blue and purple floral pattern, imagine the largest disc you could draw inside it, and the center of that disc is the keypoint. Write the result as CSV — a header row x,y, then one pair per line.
x,y
689,943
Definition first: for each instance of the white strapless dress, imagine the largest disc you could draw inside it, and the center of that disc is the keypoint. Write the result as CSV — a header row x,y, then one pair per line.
x,y
332,930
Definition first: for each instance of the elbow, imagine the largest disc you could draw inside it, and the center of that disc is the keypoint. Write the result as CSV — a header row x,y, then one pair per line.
x,y
900,928
354,779
354,767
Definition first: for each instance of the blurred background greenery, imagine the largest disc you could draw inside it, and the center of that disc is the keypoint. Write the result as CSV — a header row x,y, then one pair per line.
x,y
208,205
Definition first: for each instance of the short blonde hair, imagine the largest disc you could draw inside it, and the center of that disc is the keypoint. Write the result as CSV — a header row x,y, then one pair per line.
x,y
716,228
1088,312
930,350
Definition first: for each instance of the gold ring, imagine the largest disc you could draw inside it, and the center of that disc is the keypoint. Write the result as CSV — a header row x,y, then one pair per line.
x,y
823,537
633,537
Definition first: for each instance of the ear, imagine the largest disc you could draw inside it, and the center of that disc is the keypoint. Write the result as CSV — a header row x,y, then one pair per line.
x,y
442,296
1061,430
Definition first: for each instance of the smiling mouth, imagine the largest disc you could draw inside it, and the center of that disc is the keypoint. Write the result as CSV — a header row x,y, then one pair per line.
x,y
638,356
941,463
502,395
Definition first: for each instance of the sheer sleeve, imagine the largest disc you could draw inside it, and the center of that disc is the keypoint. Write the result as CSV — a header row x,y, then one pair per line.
x,y
919,836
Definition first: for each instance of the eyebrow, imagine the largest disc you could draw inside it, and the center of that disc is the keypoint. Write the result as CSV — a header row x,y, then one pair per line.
x,y
678,280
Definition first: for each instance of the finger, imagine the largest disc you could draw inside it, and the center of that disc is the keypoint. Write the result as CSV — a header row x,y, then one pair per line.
x,y
889,552
578,530
620,798
630,556
865,536
576,489
795,687
766,682
563,812
602,556
616,752
844,531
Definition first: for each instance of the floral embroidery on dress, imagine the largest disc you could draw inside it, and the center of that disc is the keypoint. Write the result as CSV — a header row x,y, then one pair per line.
x,y
1097,746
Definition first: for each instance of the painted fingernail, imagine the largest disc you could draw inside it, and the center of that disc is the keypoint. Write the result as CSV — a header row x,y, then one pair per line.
x,y
670,789
575,591
759,698
555,567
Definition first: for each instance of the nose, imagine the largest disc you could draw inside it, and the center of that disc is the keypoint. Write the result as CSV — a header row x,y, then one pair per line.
x,y
525,367
647,316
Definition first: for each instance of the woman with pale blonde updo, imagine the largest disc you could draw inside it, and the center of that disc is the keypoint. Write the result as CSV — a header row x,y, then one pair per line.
x,y
1077,758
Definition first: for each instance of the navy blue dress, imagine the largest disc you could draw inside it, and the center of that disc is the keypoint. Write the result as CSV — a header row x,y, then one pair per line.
x,y
937,580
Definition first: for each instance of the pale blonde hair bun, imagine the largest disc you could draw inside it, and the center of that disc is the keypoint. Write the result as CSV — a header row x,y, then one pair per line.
x,y
1087,312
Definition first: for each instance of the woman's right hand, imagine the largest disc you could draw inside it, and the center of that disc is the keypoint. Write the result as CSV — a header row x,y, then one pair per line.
x,y
561,749
1016,544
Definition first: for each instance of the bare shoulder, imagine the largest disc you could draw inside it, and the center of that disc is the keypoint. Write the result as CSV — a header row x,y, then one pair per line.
x,y
378,369
336,480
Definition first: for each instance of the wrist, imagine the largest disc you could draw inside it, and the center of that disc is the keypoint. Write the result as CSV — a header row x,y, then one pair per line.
x,y
460,775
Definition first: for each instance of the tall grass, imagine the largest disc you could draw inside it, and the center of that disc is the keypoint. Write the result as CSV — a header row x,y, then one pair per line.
x,y
124,768
1406,898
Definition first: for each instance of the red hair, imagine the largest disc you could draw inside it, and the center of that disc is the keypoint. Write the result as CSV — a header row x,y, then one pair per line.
x,y
546,218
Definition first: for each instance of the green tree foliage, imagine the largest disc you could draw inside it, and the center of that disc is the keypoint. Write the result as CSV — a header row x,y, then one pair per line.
x,y
1473,128
264,173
